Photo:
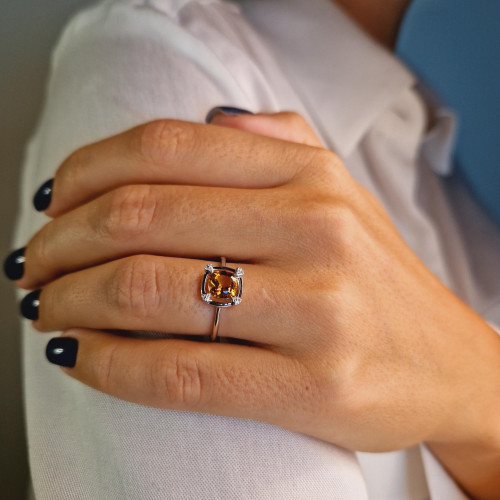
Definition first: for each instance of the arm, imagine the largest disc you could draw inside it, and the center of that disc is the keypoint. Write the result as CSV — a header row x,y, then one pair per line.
x,y
116,67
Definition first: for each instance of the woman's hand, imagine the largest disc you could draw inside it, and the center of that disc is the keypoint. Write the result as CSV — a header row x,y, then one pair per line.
x,y
346,336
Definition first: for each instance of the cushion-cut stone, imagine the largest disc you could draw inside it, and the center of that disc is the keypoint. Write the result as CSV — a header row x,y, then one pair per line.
x,y
222,285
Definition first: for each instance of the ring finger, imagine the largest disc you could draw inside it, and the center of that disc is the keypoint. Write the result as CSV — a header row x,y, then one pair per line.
x,y
159,294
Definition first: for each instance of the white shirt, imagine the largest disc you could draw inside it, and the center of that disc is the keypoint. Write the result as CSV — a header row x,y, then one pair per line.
x,y
127,62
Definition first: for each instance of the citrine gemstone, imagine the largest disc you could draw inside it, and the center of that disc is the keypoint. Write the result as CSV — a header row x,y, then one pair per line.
x,y
222,285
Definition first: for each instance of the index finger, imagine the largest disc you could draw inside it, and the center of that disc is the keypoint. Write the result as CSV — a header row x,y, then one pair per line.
x,y
175,152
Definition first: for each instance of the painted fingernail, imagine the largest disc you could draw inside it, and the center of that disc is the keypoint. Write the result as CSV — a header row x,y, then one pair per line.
x,y
43,196
226,110
29,305
13,265
62,351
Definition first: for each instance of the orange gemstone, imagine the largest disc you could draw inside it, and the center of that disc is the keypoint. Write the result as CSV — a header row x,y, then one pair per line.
x,y
222,285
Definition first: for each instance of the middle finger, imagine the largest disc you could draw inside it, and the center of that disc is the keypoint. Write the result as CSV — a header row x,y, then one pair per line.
x,y
187,221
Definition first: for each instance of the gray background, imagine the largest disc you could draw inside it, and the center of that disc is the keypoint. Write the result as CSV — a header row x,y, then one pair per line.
x,y
28,32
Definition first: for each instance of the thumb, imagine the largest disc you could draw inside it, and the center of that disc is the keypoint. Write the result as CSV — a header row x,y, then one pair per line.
x,y
286,125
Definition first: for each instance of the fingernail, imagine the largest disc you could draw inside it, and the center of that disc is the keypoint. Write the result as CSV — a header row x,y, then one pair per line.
x,y
29,305
43,196
62,351
13,265
226,110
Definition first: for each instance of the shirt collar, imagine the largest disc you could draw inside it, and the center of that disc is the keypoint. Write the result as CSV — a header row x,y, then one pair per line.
x,y
344,77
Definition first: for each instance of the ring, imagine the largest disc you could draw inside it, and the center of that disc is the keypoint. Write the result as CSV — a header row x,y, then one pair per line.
x,y
221,287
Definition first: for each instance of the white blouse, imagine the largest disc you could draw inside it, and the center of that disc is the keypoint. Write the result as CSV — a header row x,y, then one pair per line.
x,y
125,62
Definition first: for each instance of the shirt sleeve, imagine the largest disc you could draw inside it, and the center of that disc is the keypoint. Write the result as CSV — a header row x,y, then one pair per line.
x,y
117,65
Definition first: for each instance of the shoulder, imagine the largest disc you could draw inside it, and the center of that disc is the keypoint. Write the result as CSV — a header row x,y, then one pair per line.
x,y
121,63
193,27
148,54
148,28
125,62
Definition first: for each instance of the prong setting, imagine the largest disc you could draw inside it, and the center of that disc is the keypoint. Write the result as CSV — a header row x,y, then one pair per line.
x,y
222,286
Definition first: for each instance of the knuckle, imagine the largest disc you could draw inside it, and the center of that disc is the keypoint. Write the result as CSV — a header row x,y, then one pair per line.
x,y
327,162
137,290
342,232
313,165
162,140
181,380
330,227
327,171
341,222
130,212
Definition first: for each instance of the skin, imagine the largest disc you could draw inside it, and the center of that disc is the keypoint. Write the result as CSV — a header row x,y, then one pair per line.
x,y
347,336
362,346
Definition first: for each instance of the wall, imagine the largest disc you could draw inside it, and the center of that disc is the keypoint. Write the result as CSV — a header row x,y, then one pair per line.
x,y
28,31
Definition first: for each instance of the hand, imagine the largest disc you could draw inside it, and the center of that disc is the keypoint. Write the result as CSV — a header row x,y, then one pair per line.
x,y
350,338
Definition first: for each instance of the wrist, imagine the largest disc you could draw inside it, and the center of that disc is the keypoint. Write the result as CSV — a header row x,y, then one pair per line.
x,y
475,467
468,444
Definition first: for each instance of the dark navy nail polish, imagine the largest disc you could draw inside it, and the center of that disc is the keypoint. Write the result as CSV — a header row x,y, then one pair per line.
x,y
43,196
13,265
62,351
226,110
29,305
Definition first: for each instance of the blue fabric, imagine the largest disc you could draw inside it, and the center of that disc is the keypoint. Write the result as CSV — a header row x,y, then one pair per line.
x,y
454,47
